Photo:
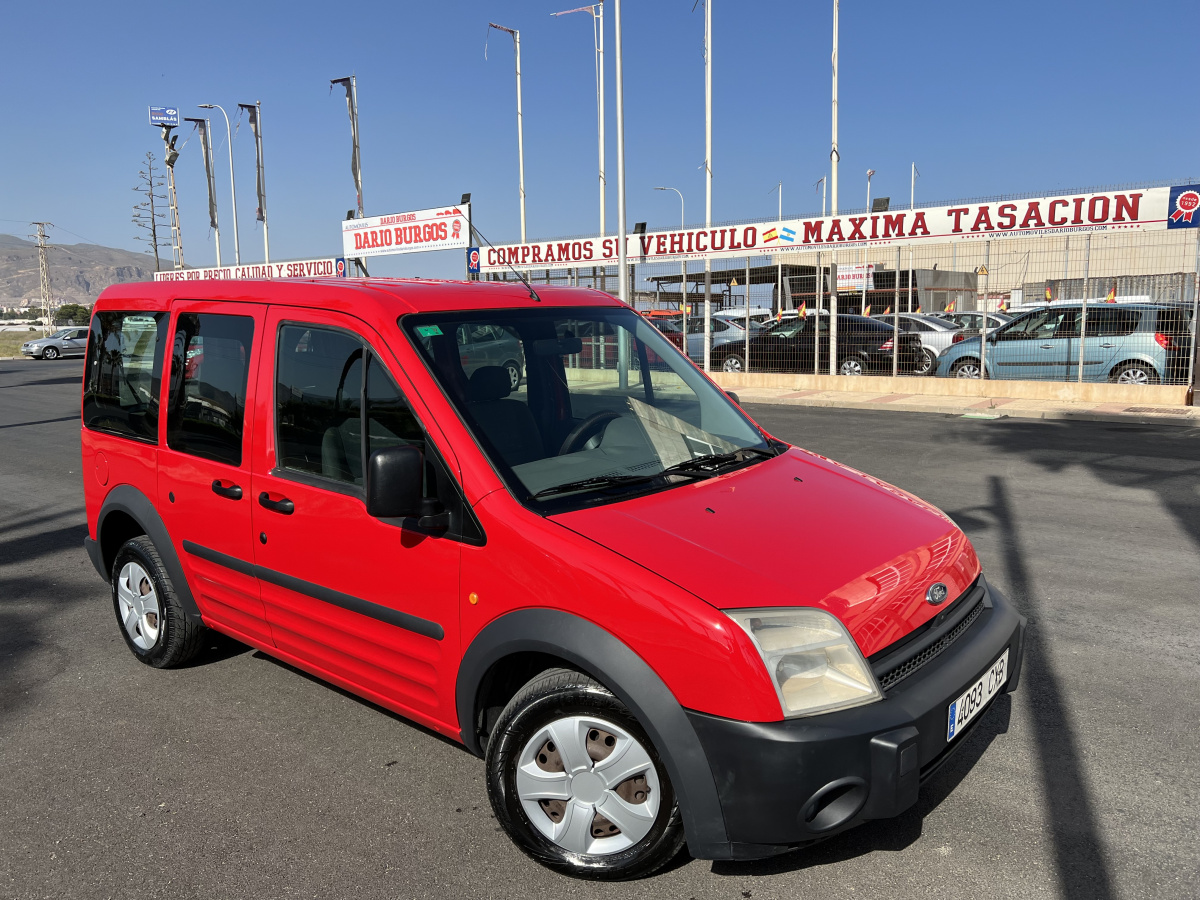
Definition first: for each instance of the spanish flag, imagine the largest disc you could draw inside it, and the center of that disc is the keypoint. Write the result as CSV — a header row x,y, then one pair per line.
x,y
950,305
867,310
770,235
803,310
1112,294
888,311
1003,307
918,307
1048,297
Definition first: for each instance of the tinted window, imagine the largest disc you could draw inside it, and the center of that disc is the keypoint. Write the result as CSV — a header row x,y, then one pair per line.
x,y
209,370
124,362
318,402
1171,321
1111,322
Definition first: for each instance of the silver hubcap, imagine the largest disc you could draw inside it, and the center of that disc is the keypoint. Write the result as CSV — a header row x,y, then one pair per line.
x,y
969,370
137,602
514,377
732,364
851,367
926,363
588,785
50,353
1133,376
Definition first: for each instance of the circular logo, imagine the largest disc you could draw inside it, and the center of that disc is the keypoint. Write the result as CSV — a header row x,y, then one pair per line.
x,y
937,593
341,267
475,259
1188,201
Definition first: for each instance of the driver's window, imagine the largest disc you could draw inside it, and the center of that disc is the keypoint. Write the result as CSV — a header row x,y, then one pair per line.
x,y
318,402
1054,318
1019,330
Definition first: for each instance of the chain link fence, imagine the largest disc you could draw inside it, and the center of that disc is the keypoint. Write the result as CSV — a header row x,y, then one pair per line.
x,y
1105,306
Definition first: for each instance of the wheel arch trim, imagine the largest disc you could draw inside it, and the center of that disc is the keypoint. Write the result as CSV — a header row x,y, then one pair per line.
x,y
598,653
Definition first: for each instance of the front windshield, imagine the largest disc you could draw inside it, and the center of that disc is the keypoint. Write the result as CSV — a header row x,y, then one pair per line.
x,y
582,405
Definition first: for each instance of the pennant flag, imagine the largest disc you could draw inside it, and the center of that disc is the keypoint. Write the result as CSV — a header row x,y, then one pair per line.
x,y
1112,294
252,112
918,307
803,310
888,311
1003,307
950,306
770,235
867,310
1048,297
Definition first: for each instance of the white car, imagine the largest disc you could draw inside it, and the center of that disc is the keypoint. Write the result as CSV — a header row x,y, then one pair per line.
x,y
67,342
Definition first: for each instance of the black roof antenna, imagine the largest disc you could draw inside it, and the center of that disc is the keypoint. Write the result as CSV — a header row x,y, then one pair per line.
x,y
523,279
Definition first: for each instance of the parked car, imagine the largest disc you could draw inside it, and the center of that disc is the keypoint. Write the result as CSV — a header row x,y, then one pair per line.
x,y
935,334
971,322
486,345
64,342
865,347
1129,343
579,581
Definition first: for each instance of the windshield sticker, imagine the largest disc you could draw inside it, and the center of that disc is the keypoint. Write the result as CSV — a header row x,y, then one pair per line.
x,y
428,330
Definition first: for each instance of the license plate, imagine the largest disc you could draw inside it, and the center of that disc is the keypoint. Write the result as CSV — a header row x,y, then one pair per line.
x,y
967,707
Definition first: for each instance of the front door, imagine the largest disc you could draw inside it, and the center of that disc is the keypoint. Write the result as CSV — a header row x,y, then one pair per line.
x,y
366,603
204,463
1034,347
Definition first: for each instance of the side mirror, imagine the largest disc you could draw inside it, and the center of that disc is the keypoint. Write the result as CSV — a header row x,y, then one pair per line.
x,y
393,487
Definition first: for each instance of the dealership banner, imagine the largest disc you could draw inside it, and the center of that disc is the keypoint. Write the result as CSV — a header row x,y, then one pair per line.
x,y
299,268
443,228
1144,209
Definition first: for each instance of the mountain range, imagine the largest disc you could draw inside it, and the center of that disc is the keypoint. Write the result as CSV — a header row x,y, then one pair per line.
x,y
78,272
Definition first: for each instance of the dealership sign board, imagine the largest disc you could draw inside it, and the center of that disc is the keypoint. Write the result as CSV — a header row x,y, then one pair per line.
x,y
442,228
1145,209
299,268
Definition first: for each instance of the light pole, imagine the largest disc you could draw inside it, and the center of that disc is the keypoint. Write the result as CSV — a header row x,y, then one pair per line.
x,y
237,250
824,183
707,177
834,156
870,172
912,191
516,36
779,259
683,268
597,12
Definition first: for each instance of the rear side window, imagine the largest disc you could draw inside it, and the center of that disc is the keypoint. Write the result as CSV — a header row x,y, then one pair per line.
x,y
124,365
209,370
1171,321
1111,322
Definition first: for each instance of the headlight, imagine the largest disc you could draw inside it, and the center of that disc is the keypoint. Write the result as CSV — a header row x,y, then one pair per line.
x,y
811,659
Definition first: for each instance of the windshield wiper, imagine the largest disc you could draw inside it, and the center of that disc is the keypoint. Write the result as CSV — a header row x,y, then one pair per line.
x,y
604,481
702,465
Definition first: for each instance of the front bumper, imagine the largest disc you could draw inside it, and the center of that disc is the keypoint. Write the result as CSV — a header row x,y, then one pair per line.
x,y
785,784
30,351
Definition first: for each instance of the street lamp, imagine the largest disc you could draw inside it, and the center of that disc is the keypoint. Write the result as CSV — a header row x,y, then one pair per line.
x,y
870,172
682,268
516,36
237,250
597,12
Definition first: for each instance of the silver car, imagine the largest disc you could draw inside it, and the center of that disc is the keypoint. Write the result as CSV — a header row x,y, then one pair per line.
x,y
970,321
936,335
726,328
67,342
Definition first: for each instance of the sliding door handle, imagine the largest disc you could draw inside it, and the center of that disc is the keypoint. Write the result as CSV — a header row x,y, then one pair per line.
x,y
233,492
283,505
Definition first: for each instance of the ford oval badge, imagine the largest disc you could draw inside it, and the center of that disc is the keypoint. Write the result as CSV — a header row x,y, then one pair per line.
x,y
937,593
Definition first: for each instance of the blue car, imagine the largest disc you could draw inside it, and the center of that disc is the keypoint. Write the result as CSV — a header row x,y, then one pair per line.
x,y
1127,343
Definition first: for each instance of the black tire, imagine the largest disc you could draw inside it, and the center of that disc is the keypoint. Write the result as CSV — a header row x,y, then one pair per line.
x,y
553,695
178,638
50,353
928,363
968,363
1134,373
734,362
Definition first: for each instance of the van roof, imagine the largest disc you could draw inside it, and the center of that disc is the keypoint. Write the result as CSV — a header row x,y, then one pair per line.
x,y
387,297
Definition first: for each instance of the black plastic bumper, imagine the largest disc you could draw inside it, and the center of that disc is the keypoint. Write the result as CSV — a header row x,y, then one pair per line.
x,y
786,784
93,552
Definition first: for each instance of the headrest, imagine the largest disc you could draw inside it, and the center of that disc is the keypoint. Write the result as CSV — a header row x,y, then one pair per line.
x,y
489,383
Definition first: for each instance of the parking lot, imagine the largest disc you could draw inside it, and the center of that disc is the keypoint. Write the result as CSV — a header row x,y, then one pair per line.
x,y
239,776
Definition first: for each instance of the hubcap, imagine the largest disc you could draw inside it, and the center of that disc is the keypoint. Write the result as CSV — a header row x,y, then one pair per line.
x,y
1133,376
967,371
588,785
732,364
137,602
514,377
851,367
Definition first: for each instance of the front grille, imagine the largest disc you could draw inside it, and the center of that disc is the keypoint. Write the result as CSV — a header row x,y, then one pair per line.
x,y
894,676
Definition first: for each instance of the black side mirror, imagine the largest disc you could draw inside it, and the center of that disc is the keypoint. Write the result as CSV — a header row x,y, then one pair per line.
x,y
394,476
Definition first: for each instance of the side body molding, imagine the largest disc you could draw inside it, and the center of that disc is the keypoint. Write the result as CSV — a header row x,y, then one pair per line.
x,y
595,652
129,500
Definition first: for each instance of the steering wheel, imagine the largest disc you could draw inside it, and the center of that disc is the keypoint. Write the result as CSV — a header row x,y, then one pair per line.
x,y
589,428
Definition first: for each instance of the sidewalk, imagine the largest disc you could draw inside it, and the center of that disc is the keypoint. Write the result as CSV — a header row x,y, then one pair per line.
x,y
978,408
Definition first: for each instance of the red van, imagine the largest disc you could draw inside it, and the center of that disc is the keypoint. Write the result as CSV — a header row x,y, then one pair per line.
x,y
590,578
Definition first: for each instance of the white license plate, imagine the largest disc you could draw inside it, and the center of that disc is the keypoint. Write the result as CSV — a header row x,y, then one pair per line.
x,y
967,707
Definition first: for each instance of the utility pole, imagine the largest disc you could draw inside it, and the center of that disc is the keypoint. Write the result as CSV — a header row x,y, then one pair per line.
x,y
707,179
597,12
44,272
170,155
834,157
516,36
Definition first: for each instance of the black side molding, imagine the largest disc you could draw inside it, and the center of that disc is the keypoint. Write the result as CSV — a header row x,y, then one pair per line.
x,y
386,614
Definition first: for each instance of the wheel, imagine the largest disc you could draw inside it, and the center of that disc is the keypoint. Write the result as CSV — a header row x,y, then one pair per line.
x,y
1134,373
591,427
966,368
514,374
928,363
578,785
50,353
734,362
152,620
850,366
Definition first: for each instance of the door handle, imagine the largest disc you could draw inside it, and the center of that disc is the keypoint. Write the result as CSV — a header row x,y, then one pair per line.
x,y
284,505
1047,346
1108,346
233,492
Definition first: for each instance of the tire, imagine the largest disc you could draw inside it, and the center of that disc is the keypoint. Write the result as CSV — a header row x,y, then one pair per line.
x,y
1134,373
563,721
149,614
734,362
968,367
50,353
928,363
851,366
514,374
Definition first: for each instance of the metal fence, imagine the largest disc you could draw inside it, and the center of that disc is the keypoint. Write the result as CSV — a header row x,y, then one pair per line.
x,y
1011,308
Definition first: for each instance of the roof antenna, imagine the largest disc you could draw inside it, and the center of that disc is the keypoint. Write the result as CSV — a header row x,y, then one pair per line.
x,y
523,279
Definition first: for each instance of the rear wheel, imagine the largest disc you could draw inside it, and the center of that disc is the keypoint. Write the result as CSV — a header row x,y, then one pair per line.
x,y
578,785
50,353
966,368
1134,373
851,366
152,619
734,362
514,374
927,364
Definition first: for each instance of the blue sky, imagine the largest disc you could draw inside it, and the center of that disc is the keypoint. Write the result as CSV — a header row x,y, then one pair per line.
x,y
987,98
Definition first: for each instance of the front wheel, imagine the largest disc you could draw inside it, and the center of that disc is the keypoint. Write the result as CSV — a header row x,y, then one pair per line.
x,y
514,375
50,353
1134,373
851,366
153,621
966,368
734,362
577,784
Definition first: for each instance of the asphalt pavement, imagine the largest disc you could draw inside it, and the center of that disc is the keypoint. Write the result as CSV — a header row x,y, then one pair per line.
x,y
241,777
